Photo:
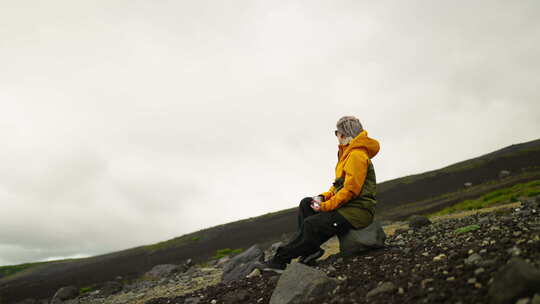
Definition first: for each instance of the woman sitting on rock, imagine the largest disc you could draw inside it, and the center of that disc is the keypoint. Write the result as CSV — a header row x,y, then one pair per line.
x,y
349,203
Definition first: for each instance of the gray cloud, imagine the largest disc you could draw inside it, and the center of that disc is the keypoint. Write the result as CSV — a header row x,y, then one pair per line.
x,y
126,123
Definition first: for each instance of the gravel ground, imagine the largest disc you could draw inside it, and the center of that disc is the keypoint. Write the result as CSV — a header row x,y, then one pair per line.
x,y
432,264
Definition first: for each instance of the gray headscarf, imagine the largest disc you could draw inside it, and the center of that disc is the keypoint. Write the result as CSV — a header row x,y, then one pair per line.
x,y
349,126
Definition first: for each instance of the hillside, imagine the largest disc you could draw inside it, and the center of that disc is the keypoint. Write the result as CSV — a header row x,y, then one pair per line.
x,y
421,193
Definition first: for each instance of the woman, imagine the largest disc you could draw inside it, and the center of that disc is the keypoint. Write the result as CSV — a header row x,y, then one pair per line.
x,y
348,204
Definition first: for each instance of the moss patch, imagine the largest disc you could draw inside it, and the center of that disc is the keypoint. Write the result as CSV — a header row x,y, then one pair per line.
x,y
499,196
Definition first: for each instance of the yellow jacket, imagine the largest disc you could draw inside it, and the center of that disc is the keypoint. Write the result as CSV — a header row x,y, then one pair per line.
x,y
352,165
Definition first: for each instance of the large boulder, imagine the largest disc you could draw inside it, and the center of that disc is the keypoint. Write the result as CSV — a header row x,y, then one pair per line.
x,y
243,264
360,240
515,280
64,294
300,283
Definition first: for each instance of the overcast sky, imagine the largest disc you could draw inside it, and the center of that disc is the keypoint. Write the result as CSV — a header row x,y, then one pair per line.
x,y
125,123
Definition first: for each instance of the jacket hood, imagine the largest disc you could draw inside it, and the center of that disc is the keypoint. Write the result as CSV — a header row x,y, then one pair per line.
x,y
361,141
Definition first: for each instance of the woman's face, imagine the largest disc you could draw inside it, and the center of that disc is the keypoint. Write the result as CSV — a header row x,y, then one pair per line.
x,y
340,137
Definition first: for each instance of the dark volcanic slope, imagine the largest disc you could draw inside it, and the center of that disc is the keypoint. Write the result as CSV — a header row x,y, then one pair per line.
x,y
516,158
419,191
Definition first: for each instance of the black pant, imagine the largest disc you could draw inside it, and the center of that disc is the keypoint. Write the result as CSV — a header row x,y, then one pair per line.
x,y
314,228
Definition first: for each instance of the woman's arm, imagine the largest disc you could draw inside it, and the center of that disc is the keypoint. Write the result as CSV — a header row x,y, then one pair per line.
x,y
328,194
355,175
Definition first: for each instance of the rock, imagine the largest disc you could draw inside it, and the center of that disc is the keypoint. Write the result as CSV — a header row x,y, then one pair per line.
x,y
221,262
383,288
515,280
162,270
439,257
299,283
243,264
483,220
271,251
479,271
255,273
236,296
417,221
467,184
110,288
356,241
65,293
504,173
192,300
473,259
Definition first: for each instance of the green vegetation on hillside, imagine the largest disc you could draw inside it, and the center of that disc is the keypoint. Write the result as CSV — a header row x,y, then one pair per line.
x,y
12,269
226,251
499,196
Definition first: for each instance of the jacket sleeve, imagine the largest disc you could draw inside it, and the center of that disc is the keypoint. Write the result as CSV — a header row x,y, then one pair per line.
x,y
355,175
328,194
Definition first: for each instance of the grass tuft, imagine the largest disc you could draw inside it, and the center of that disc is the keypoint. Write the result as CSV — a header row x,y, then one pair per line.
x,y
466,229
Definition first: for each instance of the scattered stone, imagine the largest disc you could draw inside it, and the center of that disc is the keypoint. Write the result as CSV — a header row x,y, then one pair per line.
x,y
473,259
299,283
425,282
439,257
418,221
236,296
163,270
383,288
483,220
515,280
65,293
223,261
357,241
523,301
243,264
467,184
255,273
110,288
479,271
514,251
192,300
504,173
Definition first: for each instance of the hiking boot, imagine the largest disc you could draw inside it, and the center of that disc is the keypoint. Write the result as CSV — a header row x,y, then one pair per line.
x,y
310,260
273,265
277,263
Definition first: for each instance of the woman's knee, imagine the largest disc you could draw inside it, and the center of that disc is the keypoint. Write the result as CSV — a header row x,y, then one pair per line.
x,y
305,202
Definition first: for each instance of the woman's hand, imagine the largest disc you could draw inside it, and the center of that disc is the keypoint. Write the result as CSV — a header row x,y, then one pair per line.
x,y
315,206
